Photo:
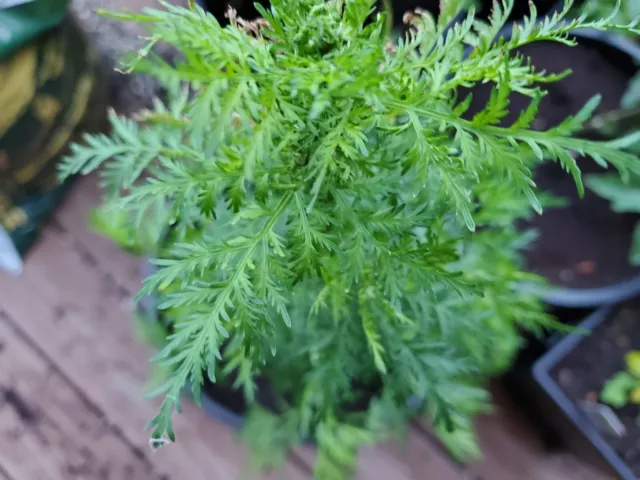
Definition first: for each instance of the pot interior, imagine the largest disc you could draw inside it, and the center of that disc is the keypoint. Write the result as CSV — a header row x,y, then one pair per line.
x,y
583,244
583,370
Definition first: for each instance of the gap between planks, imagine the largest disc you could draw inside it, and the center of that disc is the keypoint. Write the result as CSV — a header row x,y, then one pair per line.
x,y
4,475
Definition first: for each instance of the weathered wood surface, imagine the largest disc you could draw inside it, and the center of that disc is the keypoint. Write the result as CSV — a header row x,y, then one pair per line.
x,y
78,315
72,380
48,430
415,459
511,450
112,260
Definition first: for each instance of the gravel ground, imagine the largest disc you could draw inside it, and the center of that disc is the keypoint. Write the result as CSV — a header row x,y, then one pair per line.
x,y
113,38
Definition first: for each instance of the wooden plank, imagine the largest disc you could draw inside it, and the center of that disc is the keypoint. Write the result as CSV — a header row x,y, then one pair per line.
x,y
48,431
73,216
79,316
415,459
418,459
512,449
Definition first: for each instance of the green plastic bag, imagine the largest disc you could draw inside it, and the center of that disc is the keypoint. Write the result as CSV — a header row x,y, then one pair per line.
x,y
21,21
47,80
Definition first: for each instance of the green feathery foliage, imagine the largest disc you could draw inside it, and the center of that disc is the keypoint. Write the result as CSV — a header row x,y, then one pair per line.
x,y
334,222
626,10
623,194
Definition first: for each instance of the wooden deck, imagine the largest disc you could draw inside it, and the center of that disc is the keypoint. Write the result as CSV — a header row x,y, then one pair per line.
x,y
72,379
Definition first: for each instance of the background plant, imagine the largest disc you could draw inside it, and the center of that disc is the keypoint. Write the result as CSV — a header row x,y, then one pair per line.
x,y
627,10
336,226
624,387
623,193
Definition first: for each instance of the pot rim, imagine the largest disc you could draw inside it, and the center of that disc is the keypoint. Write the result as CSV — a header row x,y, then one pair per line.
x,y
541,375
607,294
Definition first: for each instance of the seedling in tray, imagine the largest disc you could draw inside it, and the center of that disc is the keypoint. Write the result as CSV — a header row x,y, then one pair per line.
x,y
624,387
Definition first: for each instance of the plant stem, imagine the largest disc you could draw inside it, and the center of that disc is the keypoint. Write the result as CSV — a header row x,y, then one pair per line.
x,y
389,9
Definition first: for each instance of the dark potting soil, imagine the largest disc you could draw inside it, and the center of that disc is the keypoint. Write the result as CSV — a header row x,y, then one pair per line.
x,y
244,8
233,399
582,244
582,373
483,8
520,9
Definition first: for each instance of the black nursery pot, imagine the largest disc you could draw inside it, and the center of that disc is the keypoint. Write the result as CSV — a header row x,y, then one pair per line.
x,y
246,8
227,404
521,8
567,382
220,402
583,247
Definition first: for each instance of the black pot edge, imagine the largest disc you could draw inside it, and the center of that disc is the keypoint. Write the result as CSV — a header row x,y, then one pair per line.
x,y
591,297
542,377
208,403
149,305
586,297
218,411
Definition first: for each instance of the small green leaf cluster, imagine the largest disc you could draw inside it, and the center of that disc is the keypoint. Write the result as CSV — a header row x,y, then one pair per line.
x,y
336,223
624,387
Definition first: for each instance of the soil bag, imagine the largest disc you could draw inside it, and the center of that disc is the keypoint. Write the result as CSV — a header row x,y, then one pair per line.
x,y
49,93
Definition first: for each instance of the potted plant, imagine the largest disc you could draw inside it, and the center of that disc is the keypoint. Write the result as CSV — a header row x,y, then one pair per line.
x,y
590,405
623,121
588,264
563,390
589,389
338,248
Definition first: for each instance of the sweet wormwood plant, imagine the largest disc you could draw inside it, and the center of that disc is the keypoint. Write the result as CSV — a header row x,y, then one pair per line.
x,y
337,224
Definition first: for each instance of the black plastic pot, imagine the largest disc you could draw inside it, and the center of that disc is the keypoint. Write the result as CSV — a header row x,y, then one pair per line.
x,y
148,309
566,418
625,53
220,401
616,292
